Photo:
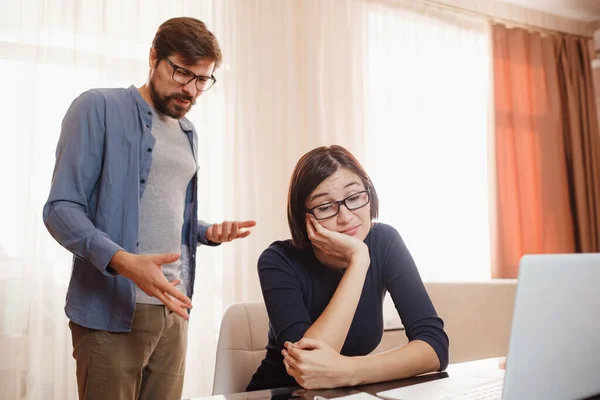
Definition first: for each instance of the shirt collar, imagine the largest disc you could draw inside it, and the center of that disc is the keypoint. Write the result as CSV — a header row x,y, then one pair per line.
x,y
145,107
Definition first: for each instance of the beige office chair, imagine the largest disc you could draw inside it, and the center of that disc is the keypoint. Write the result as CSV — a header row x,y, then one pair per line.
x,y
477,316
241,346
242,341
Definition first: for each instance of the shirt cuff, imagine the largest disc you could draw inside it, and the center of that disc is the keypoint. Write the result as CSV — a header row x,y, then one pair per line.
x,y
102,251
440,349
202,228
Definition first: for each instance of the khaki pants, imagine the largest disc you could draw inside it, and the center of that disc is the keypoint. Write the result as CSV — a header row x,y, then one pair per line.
x,y
147,363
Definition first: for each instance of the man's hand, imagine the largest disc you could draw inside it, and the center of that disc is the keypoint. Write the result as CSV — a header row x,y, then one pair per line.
x,y
146,272
315,365
229,230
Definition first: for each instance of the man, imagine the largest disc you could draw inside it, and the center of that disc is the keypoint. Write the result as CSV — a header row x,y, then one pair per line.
x,y
124,201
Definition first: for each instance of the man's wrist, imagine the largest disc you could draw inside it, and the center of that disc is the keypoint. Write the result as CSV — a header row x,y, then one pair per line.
x,y
118,262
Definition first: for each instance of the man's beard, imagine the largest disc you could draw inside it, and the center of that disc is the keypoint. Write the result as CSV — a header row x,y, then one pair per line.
x,y
167,105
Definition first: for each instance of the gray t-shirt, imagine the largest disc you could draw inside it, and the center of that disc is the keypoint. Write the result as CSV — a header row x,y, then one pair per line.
x,y
163,202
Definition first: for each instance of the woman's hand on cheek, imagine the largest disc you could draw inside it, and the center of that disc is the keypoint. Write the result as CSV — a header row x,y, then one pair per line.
x,y
315,365
334,244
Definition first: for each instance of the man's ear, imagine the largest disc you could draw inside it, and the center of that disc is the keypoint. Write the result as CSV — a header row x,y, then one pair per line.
x,y
152,60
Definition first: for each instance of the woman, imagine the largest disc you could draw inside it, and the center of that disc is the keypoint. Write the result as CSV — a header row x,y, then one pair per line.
x,y
324,289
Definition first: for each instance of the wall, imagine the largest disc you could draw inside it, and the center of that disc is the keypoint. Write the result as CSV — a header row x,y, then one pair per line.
x,y
504,12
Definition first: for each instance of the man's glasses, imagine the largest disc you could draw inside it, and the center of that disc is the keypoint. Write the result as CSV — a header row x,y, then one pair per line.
x,y
331,209
184,76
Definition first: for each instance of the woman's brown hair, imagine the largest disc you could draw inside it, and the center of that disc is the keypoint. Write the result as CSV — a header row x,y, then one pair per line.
x,y
312,169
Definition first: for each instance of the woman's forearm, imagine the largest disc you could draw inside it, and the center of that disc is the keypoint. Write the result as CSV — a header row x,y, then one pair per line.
x,y
333,324
414,358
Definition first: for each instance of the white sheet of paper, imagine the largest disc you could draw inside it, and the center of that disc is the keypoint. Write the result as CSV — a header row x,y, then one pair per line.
x,y
357,396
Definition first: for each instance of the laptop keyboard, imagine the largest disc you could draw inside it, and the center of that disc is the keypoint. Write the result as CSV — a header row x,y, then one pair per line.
x,y
491,391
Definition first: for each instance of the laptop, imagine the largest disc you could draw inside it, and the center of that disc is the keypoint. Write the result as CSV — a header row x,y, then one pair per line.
x,y
554,347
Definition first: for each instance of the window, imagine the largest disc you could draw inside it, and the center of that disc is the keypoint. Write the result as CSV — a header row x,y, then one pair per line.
x,y
427,91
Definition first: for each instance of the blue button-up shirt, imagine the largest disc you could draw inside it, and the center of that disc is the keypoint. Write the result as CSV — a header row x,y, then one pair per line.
x,y
103,159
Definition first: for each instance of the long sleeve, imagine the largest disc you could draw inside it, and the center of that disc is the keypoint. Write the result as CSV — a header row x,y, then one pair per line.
x,y
202,228
410,297
282,292
79,156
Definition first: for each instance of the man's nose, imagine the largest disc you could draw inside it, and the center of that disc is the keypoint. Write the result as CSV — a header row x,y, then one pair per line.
x,y
190,88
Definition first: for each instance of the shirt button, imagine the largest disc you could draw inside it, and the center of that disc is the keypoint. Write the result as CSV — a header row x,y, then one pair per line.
x,y
138,244
149,150
149,112
147,126
142,181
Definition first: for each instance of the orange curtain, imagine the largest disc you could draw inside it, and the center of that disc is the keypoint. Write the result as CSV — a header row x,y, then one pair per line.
x,y
582,141
547,148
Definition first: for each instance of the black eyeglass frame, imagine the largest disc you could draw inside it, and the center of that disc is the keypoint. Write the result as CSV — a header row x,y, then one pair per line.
x,y
194,76
339,205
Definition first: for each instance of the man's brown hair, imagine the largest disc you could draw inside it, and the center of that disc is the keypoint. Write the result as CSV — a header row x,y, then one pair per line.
x,y
189,38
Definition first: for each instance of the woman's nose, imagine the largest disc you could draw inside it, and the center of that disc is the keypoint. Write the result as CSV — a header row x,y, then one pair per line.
x,y
345,215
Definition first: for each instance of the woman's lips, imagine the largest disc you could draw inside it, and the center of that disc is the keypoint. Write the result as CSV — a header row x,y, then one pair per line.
x,y
351,231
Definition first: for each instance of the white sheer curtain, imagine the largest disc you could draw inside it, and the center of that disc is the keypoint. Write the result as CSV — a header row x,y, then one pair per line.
x,y
426,106
50,51
283,89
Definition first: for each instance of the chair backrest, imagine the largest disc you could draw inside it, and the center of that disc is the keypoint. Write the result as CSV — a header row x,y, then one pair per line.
x,y
241,346
477,316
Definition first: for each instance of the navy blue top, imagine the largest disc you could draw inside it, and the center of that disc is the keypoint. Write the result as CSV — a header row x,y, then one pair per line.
x,y
297,287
